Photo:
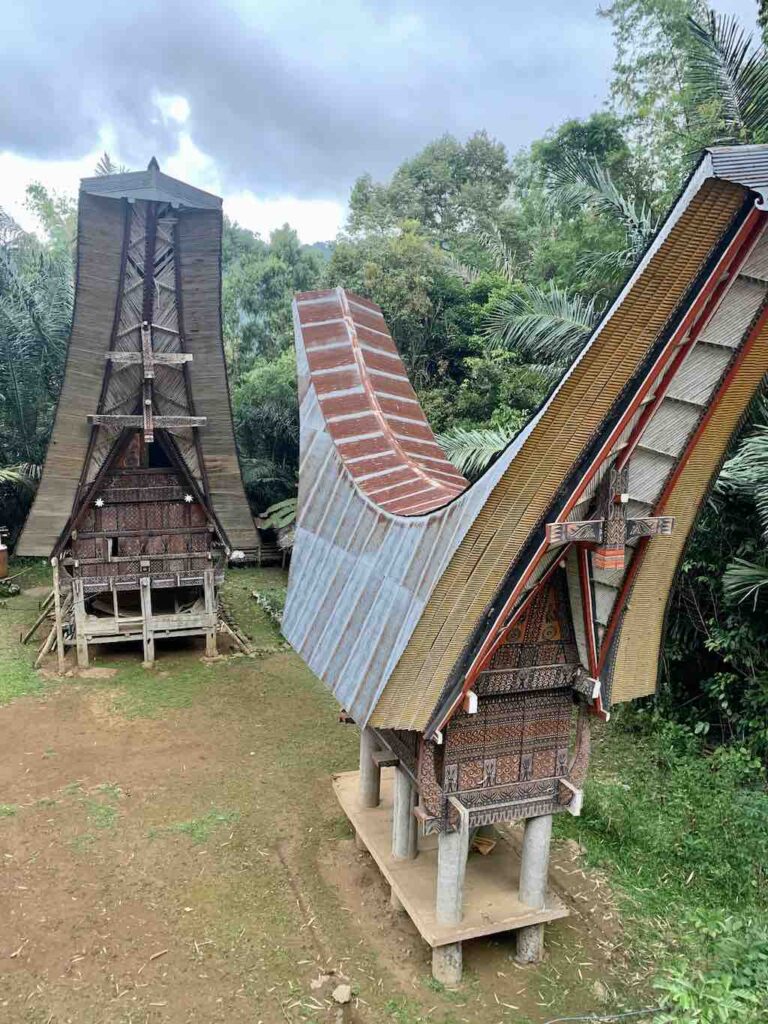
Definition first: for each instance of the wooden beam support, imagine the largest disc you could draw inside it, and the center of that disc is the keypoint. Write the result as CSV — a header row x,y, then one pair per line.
x,y
146,407
147,354
119,421
158,358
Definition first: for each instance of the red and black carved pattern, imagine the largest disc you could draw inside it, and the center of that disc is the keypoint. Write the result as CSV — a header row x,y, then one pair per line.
x,y
515,748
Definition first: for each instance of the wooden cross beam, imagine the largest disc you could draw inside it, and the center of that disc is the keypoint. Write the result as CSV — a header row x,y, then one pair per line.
x,y
610,534
118,421
148,359
159,358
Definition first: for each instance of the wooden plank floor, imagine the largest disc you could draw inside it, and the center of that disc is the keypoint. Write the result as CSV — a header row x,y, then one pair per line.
x,y
490,889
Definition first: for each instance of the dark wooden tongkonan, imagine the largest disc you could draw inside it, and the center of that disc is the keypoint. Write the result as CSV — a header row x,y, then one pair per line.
x,y
141,500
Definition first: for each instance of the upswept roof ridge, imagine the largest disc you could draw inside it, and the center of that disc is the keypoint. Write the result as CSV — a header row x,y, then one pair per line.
x,y
381,435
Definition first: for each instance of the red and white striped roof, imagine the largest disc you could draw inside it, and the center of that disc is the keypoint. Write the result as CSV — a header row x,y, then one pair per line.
x,y
371,411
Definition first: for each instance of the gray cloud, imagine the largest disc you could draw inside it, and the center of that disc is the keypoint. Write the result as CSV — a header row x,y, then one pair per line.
x,y
290,96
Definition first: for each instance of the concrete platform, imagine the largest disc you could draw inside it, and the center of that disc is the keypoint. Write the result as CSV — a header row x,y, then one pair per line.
x,y
490,888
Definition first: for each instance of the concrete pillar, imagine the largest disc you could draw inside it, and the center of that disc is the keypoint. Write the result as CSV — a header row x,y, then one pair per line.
x,y
446,964
209,597
394,901
370,773
404,827
534,868
452,852
78,600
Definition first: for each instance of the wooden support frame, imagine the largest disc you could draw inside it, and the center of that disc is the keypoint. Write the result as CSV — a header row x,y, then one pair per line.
x,y
59,626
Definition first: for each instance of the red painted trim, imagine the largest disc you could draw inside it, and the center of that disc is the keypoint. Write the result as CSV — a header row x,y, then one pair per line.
x,y
585,586
674,476
714,288
684,350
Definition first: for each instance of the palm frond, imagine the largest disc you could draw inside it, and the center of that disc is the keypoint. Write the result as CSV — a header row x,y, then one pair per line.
x,y
497,249
465,273
23,475
611,266
106,165
579,181
472,450
744,580
547,324
728,79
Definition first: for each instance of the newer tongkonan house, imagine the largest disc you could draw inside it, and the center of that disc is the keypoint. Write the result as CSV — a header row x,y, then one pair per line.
x,y
141,499
467,625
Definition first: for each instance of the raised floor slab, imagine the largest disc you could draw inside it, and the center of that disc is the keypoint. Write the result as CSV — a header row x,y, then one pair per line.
x,y
490,888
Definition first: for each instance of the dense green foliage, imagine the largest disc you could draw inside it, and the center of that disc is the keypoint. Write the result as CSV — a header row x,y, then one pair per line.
x,y
685,836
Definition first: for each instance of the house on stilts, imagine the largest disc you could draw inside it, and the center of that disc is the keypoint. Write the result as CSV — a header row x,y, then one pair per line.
x,y
471,632
141,502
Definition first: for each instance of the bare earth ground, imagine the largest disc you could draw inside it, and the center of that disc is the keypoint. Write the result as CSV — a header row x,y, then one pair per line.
x,y
172,852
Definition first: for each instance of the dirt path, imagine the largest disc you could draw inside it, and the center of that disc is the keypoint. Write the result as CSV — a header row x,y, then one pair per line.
x,y
172,852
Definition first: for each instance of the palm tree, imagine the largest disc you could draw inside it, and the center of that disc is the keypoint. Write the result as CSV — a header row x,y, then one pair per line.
x,y
472,450
580,182
727,75
36,294
746,473
547,324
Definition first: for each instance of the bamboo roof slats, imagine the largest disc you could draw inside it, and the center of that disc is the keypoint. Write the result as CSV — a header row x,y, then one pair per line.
x,y
100,231
199,259
399,604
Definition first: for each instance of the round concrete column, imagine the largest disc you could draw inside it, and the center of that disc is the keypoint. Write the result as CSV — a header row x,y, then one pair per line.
x,y
404,829
370,773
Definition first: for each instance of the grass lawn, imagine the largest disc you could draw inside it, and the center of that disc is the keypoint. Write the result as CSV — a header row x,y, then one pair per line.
x,y
172,852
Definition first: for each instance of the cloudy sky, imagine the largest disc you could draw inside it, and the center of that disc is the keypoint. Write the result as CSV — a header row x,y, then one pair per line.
x,y
278,105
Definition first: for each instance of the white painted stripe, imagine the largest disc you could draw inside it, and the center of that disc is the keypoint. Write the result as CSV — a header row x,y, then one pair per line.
x,y
402,483
359,437
409,494
321,323
326,346
418,440
372,455
333,369
349,416
378,351
396,398
358,389
406,419
389,376
380,472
